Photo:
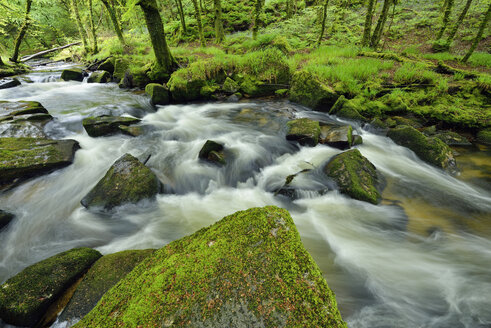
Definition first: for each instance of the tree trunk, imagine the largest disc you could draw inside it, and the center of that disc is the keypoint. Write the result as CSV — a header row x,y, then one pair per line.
x,y
257,12
22,32
289,8
479,34
446,18
81,30
219,35
157,35
181,16
377,33
92,28
368,24
323,26
197,13
114,20
455,27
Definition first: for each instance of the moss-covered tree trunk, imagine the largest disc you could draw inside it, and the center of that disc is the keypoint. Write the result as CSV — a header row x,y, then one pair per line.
x,y
22,32
323,26
478,38
367,31
456,26
219,35
163,56
181,16
95,48
114,20
377,33
446,18
257,13
80,26
197,13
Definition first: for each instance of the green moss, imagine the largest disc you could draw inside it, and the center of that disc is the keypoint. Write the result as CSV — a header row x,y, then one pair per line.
x,y
120,67
354,175
250,267
306,89
25,297
159,94
347,109
305,131
484,136
72,74
230,86
99,77
104,125
107,65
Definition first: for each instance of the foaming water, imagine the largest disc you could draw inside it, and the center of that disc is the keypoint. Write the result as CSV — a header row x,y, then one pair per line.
x,y
420,259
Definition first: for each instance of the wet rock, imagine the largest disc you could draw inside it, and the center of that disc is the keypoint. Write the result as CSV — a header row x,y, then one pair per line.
x,y
25,298
357,140
10,109
345,108
5,218
355,176
126,181
230,86
23,119
306,89
23,158
377,126
99,77
72,74
107,65
399,120
159,94
9,83
106,125
452,138
212,152
185,90
217,276
431,150
484,136
304,131
101,277
208,91
340,137
132,130
253,87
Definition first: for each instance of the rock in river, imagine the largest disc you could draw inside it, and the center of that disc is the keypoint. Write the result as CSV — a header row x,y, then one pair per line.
x,y
99,77
5,218
25,298
340,137
304,131
249,269
212,152
72,74
9,83
106,125
127,181
22,158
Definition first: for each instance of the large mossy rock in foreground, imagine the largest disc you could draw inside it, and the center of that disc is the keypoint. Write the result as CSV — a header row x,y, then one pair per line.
x,y
72,74
249,269
25,297
355,176
106,125
23,158
306,89
431,150
304,131
103,275
159,94
127,181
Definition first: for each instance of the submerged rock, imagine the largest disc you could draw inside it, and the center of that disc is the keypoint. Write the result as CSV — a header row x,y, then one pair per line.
x,y
159,94
431,150
72,74
101,277
212,152
5,218
23,158
304,131
99,77
106,125
9,83
249,269
340,137
306,89
126,181
25,298
355,176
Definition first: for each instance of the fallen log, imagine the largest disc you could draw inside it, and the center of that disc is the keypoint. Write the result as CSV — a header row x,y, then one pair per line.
x,y
41,53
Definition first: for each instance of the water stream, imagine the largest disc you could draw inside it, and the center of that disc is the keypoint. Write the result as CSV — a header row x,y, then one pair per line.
x,y
422,258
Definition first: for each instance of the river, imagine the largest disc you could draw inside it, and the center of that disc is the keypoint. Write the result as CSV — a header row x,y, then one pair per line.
x,y
422,258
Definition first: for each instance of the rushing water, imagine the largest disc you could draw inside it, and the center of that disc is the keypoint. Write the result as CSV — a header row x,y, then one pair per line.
x,y
420,259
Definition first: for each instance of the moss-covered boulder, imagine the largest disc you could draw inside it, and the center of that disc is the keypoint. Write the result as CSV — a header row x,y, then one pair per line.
x,y
101,277
431,150
340,137
212,152
183,90
26,297
99,77
126,181
5,218
484,136
452,138
348,109
357,140
10,109
159,94
132,130
120,67
253,87
9,83
107,65
230,86
106,125
304,131
23,158
250,269
308,90
72,74
355,176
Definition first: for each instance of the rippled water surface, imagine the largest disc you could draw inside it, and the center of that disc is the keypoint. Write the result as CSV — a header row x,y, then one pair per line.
x,y
422,258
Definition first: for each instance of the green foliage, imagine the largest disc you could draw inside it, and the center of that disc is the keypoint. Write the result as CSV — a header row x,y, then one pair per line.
x,y
414,73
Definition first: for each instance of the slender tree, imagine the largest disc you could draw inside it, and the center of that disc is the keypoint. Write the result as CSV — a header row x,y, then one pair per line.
x,y
446,18
257,13
92,28
323,25
165,60
377,33
478,37
181,15
114,20
219,35
22,32
368,24
81,31
197,12
459,20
